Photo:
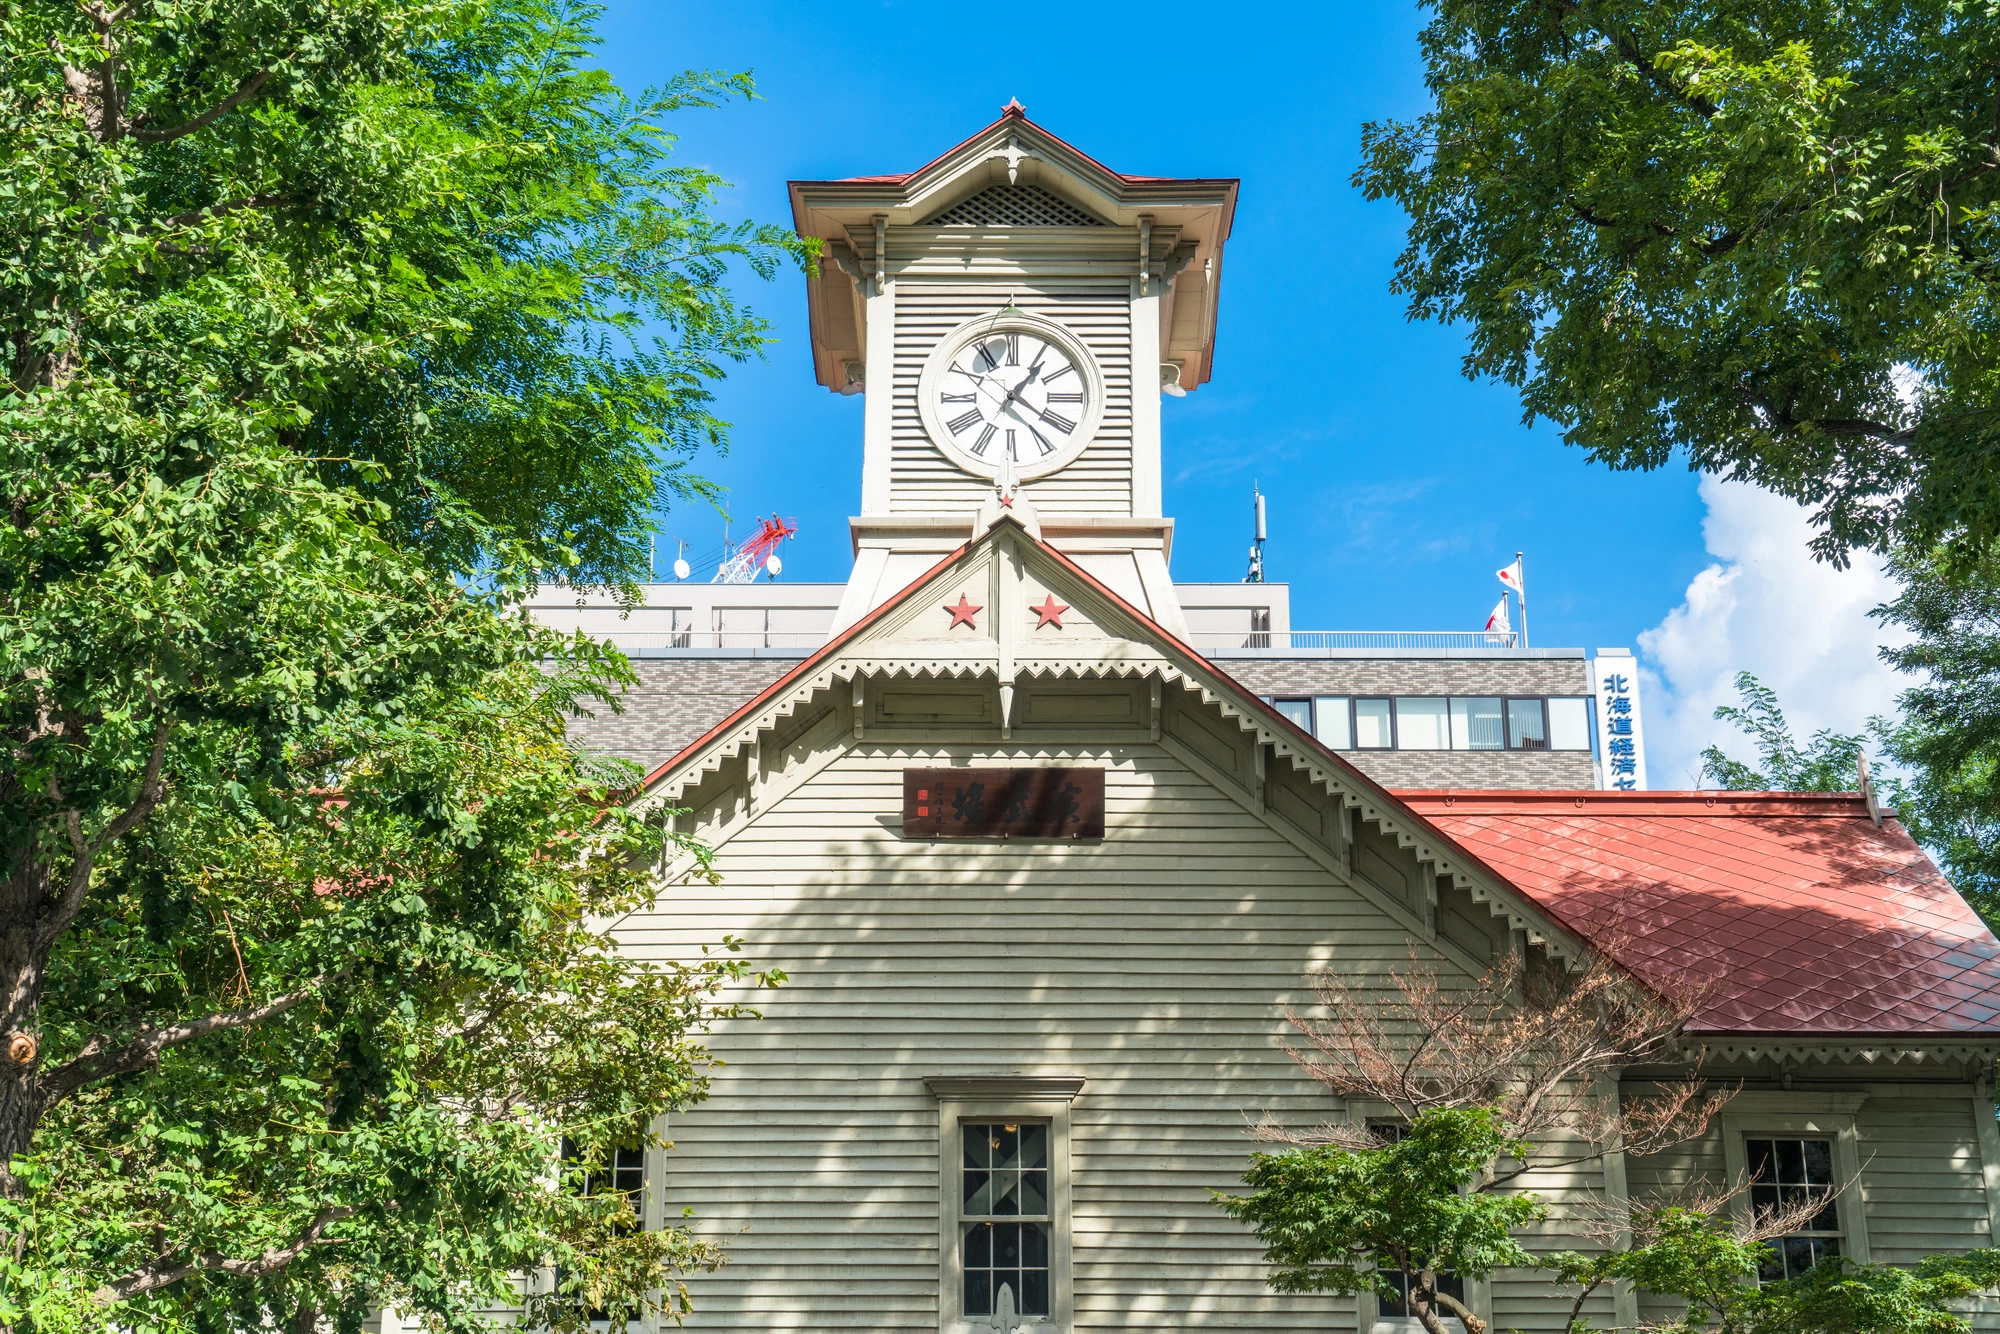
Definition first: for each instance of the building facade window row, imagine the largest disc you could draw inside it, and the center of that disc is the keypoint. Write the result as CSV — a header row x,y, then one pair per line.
x,y
1442,722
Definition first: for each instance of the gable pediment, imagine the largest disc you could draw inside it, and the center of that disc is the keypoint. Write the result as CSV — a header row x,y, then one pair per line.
x,y
1008,648
1010,176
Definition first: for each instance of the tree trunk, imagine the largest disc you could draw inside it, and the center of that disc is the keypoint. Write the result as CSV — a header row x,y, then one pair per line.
x,y
25,895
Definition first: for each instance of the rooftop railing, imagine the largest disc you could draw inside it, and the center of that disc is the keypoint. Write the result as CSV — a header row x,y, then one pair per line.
x,y
667,639
1348,640
1208,641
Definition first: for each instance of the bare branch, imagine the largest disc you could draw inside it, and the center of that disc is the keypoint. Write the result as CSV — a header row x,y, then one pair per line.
x,y
1530,1041
154,1277
103,1057
244,92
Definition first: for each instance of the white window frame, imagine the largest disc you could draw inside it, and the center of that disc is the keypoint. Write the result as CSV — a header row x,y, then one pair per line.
x,y
541,1281
1367,1306
1042,1098
1776,1115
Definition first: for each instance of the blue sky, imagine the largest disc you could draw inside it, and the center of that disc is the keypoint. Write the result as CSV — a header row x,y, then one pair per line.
x,y
1396,486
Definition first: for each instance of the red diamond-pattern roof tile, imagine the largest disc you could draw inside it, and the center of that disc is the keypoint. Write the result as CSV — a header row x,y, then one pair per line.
x,y
1796,912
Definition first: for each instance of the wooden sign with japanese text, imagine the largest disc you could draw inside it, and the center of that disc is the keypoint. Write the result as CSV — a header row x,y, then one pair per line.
x,y
1003,803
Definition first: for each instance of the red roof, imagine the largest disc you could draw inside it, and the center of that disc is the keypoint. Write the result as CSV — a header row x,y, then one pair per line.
x,y
1802,914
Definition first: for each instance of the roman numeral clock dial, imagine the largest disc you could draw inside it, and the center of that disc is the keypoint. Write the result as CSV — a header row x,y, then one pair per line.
x,y
1011,389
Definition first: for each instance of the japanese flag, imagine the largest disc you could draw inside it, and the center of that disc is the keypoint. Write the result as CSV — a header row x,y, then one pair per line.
x,y
1497,623
1511,576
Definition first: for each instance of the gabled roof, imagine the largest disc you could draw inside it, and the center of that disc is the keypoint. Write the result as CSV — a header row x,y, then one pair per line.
x,y
1011,114
1814,924
1189,218
1126,642
1803,915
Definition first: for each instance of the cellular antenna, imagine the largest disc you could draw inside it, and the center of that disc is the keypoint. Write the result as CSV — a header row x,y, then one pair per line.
x,y
1256,575
740,565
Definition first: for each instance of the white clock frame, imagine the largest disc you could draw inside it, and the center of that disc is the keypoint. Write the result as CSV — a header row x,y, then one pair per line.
x,y
1011,321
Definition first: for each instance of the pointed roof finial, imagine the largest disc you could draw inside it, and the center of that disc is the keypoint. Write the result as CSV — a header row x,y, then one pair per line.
x,y
1014,108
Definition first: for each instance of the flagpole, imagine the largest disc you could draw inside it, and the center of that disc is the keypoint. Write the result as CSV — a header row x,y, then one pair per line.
x,y
1522,593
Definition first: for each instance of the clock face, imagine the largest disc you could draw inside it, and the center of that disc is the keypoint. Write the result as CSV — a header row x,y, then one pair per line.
x,y
1022,393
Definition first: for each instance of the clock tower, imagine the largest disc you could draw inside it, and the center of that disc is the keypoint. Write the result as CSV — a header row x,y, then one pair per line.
x,y
1013,312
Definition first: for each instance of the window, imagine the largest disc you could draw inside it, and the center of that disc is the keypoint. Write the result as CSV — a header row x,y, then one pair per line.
x,y
1526,727
1569,724
1798,1146
1373,727
1298,712
1423,724
1004,1211
1451,1285
623,1172
1475,725
1003,1224
1331,723
1789,1172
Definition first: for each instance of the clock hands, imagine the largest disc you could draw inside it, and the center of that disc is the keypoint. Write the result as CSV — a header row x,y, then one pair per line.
x,y
1014,394
1011,403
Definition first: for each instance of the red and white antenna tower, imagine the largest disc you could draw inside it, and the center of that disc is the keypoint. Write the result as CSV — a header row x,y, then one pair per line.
x,y
758,552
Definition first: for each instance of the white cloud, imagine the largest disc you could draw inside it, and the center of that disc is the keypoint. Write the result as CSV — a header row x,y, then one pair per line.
x,y
1765,607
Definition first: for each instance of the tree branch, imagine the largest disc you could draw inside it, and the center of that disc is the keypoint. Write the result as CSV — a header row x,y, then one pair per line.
x,y
84,854
154,1277
102,1058
244,92
1473,1324
210,212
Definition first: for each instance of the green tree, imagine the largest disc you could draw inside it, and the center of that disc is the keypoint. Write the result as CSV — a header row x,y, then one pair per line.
x,y
1763,234
1944,748
1829,762
325,324
1485,1080
1343,1220
1694,1254
1947,740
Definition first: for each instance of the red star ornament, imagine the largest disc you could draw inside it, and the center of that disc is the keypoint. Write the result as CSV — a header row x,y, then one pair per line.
x,y
1050,613
963,613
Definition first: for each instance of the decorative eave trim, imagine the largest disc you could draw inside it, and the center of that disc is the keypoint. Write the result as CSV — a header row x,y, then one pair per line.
x,y
1876,1051
1010,1087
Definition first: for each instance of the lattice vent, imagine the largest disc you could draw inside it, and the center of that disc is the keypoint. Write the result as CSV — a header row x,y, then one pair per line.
x,y
1014,206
